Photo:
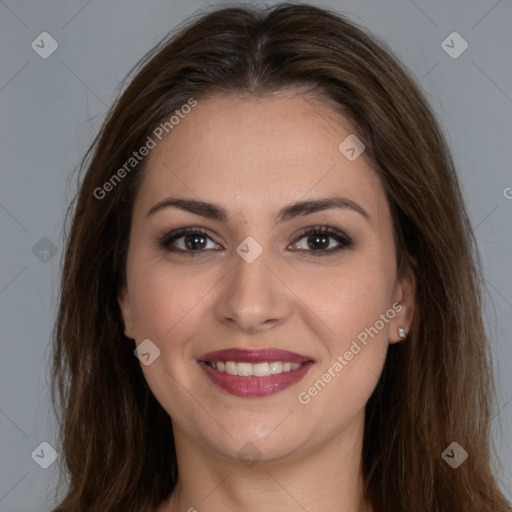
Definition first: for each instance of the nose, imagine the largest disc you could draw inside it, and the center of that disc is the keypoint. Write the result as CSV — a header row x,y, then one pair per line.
x,y
253,298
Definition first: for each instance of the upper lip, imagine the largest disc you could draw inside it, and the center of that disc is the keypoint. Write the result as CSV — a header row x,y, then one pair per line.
x,y
255,355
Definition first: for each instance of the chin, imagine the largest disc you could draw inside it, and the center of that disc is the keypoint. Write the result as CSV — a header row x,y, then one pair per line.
x,y
260,444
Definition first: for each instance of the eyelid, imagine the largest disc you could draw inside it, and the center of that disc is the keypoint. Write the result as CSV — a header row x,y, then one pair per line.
x,y
344,241
165,241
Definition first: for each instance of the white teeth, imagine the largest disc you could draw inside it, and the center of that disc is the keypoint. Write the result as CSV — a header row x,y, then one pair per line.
x,y
244,369
256,369
276,367
261,369
231,368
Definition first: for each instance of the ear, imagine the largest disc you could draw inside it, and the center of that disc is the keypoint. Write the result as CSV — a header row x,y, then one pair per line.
x,y
405,295
123,300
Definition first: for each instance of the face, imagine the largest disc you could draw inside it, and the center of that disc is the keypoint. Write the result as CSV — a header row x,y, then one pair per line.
x,y
317,282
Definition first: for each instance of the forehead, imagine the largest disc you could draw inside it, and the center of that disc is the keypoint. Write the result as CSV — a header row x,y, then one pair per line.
x,y
249,153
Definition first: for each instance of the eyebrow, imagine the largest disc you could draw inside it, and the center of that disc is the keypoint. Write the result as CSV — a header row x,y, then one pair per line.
x,y
289,212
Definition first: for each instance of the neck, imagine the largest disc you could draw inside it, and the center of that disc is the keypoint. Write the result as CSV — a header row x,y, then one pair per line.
x,y
319,478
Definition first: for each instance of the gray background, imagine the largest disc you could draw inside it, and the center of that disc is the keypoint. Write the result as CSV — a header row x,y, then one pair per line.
x,y
50,109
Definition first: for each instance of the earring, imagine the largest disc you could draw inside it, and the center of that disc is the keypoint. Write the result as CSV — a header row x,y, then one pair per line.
x,y
401,332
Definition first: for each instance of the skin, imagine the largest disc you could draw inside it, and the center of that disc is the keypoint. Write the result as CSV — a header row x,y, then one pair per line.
x,y
253,157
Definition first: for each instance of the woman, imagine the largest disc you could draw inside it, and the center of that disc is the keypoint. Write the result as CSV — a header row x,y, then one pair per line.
x,y
271,290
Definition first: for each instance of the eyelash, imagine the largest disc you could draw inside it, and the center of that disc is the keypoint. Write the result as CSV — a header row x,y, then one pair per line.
x,y
344,241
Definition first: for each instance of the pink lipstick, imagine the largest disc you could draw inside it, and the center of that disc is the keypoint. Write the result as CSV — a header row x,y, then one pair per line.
x,y
255,373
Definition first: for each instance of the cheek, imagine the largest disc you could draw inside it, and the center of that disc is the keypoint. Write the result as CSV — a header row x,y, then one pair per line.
x,y
348,299
355,306
343,381
163,298
338,302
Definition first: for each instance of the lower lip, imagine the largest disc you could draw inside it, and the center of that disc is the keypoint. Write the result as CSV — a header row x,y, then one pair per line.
x,y
255,386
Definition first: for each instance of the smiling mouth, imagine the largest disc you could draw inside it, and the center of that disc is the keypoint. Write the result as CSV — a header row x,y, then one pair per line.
x,y
254,373
253,369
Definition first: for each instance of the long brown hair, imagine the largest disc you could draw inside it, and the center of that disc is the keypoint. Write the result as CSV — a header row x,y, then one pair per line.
x,y
436,388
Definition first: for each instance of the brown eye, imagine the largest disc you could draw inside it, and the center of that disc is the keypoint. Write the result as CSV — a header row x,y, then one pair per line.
x,y
186,240
318,241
